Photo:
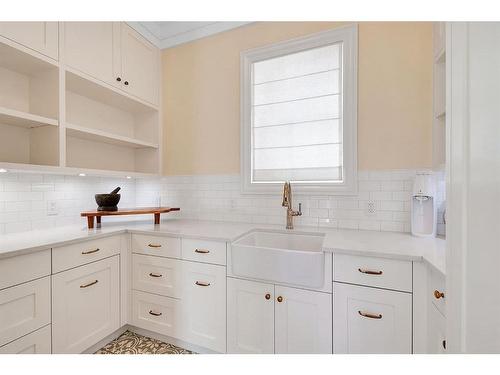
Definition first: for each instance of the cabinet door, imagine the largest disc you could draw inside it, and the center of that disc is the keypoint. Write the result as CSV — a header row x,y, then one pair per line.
x,y
42,37
250,317
92,48
303,321
436,337
139,65
85,305
204,305
369,320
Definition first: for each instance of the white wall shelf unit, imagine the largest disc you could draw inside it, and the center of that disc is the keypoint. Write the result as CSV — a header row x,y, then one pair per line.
x,y
53,114
439,97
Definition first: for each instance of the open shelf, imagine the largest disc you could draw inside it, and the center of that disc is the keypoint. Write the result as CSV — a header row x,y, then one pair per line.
x,y
27,120
91,88
29,84
29,108
101,136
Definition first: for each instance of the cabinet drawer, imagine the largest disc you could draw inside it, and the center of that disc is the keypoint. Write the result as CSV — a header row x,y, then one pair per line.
x,y
370,321
156,313
204,251
437,291
22,268
66,257
85,305
24,309
204,305
376,272
157,275
156,245
37,342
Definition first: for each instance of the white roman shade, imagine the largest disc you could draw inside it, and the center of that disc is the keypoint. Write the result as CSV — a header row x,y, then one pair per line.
x,y
299,114
297,117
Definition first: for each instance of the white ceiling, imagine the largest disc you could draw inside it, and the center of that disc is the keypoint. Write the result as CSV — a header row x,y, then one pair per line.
x,y
171,33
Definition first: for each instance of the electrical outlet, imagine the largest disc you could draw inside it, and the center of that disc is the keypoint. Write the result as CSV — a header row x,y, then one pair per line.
x,y
52,208
371,208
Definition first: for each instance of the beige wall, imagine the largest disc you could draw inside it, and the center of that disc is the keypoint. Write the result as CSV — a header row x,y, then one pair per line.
x,y
201,96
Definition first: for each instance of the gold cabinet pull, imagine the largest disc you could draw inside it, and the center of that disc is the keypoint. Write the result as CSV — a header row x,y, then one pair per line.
x,y
154,313
202,251
154,245
89,284
155,274
90,251
370,272
202,283
279,299
370,315
438,294
268,296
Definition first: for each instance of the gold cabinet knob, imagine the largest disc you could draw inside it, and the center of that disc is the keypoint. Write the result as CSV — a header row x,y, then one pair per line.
x,y
279,299
268,296
438,294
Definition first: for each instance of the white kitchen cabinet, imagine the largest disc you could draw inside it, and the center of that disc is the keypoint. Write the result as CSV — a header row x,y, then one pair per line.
x,y
264,318
204,305
303,321
92,48
370,320
250,317
114,53
85,305
42,37
24,308
37,342
139,65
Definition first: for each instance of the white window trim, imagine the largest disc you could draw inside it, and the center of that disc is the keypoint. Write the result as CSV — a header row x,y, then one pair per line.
x,y
349,36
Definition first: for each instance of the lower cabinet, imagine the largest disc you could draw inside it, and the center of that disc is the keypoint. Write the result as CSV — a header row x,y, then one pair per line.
x,y
38,342
204,305
264,318
303,321
370,320
24,308
250,317
85,305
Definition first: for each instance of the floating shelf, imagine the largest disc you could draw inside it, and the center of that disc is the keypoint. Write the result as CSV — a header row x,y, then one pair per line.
x,y
101,136
23,119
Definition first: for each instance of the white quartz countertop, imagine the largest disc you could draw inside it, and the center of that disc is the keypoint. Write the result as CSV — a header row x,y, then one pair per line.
x,y
356,242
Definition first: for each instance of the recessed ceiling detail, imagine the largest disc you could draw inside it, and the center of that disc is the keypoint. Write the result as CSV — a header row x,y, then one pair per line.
x,y
170,33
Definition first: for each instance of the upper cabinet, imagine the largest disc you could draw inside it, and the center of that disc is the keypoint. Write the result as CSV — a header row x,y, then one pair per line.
x,y
139,65
114,53
43,37
90,48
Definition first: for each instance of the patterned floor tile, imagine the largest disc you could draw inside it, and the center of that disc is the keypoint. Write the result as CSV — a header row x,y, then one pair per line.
x,y
133,343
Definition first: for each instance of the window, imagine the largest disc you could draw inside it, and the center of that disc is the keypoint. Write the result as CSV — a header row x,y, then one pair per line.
x,y
299,104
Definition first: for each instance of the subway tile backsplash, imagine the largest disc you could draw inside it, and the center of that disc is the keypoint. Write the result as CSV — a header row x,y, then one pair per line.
x,y
382,203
